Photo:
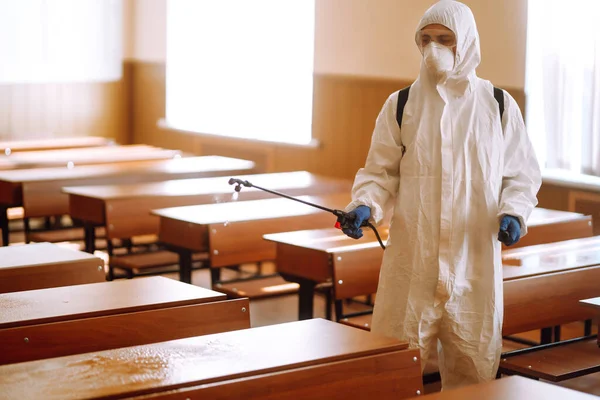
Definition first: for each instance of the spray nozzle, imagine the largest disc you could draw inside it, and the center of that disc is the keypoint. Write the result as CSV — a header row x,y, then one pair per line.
x,y
239,183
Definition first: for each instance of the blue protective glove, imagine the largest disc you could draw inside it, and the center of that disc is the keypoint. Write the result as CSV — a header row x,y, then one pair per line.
x,y
510,230
360,214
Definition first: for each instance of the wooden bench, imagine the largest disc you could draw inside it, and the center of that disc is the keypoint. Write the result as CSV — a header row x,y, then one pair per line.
x,y
11,146
513,388
232,234
134,263
45,265
305,359
47,323
567,359
125,209
544,290
39,191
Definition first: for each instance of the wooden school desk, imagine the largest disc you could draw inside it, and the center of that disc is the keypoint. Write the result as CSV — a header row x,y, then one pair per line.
x,y
70,158
308,359
55,322
547,226
232,233
11,146
124,210
39,190
510,388
320,247
45,265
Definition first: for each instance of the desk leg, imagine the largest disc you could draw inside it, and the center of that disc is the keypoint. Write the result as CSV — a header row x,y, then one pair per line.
x,y
185,266
587,329
90,238
4,225
546,336
306,295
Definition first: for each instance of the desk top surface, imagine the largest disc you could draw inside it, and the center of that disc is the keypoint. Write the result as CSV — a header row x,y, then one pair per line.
x,y
203,186
329,240
96,299
190,362
551,257
252,210
513,388
70,158
10,146
35,254
202,164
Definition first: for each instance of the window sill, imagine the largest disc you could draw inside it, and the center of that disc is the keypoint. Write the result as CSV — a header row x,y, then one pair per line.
x,y
163,124
562,177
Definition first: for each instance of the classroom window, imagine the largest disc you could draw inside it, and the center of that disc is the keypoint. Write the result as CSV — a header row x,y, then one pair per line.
x,y
241,68
50,41
563,83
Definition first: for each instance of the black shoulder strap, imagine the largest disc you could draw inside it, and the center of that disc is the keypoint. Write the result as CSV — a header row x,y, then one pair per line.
x,y
402,98
499,95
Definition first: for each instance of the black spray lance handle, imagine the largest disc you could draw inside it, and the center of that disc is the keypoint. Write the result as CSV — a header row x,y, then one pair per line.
x,y
503,236
346,220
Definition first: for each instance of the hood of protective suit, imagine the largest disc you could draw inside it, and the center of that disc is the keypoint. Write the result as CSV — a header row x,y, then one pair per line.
x,y
459,19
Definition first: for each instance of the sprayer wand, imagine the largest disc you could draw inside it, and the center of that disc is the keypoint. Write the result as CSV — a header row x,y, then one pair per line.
x,y
343,218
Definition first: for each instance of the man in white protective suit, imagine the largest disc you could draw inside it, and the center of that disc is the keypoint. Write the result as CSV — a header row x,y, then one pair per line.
x,y
457,177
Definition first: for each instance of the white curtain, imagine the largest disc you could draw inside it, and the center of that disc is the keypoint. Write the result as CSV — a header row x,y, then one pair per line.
x,y
47,41
563,83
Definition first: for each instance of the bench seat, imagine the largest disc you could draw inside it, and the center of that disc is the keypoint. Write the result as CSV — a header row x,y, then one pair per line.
x,y
557,362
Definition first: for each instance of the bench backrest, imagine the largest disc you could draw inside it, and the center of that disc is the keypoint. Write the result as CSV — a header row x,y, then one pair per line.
x,y
548,300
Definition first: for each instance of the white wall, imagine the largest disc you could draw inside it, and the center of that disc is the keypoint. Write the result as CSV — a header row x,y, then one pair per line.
x,y
148,20
372,37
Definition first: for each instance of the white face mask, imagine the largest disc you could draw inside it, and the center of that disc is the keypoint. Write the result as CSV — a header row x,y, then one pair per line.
x,y
439,59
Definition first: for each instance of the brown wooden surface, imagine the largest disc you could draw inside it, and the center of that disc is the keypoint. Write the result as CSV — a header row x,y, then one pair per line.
x,y
308,253
98,299
85,156
11,146
556,230
122,330
302,262
233,231
45,265
357,274
513,388
42,188
257,288
360,321
240,240
552,257
548,300
392,375
194,361
127,207
588,203
557,363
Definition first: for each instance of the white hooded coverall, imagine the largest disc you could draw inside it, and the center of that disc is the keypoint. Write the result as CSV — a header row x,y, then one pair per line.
x,y
462,170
